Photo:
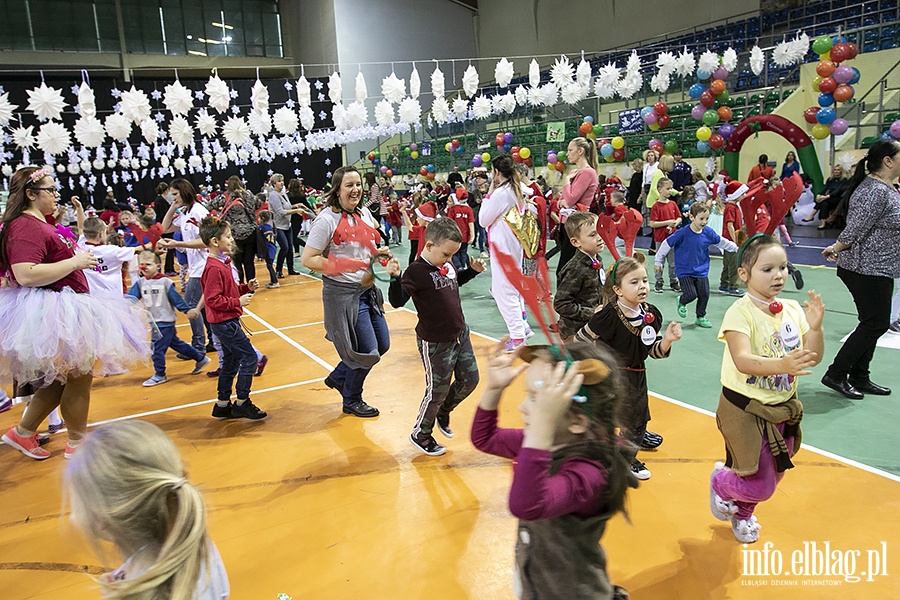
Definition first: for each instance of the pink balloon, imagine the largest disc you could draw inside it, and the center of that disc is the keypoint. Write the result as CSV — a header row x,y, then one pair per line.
x,y
654,142
720,73
650,118
413,146
698,111
843,74
839,126
895,129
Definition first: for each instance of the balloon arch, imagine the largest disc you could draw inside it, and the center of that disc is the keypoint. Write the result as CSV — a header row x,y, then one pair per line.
x,y
806,151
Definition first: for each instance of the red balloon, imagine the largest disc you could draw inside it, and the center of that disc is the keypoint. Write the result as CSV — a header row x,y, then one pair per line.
x,y
725,114
602,141
716,141
825,68
514,150
827,85
843,93
852,50
528,162
455,143
839,53
499,139
707,98
664,120
516,157
810,114
717,86
660,108
619,154
423,171
658,148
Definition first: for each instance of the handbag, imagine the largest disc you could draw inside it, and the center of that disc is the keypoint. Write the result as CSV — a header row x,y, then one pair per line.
x,y
262,250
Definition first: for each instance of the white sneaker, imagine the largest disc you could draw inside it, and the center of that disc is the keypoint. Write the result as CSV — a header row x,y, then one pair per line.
x,y
156,380
640,470
723,510
895,327
746,531
272,286
529,333
201,364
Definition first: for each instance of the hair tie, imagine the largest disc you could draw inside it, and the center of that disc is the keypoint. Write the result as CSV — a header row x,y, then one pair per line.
x,y
177,485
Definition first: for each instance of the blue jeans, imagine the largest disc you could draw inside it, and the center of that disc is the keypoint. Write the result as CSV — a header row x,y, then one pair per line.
x,y
460,260
371,334
480,236
192,293
169,339
285,253
238,358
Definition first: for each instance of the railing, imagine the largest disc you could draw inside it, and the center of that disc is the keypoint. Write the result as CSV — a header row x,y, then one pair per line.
x,y
871,106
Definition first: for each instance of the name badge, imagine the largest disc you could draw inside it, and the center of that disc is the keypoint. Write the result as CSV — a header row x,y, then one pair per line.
x,y
648,335
790,335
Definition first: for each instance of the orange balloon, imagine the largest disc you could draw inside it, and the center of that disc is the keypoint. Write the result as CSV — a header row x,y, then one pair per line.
x,y
724,113
717,87
825,68
843,93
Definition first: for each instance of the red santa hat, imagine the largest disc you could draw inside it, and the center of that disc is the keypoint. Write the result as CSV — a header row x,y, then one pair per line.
x,y
427,211
734,189
461,194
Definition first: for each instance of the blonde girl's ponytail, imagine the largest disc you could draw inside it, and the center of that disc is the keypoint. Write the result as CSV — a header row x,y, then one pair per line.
x,y
590,152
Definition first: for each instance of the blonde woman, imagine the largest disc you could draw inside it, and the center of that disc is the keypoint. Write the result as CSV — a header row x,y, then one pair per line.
x,y
127,485
579,190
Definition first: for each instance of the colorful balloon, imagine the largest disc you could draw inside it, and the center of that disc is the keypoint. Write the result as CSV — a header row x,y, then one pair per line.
x,y
826,115
822,44
695,90
703,147
697,112
843,93
448,147
895,129
829,84
826,99
723,97
476,161
820,131
560,166
809,115
704,133
389,173
561,156
486,156
646,111
552,158
413,154
707,98
724,113
825,68
671,147
411,147
839,127
660,108
853,50
650,118
839,53
508,138
817,81
843,74
725,130
653,127
454,143
856,75
716,141
710,117
717,86
525,152
619,154
703,75
618,142
588,118
423,171
720,73
664,120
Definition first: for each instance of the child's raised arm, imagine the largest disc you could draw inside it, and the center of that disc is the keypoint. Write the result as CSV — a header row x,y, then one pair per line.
x,y
79,213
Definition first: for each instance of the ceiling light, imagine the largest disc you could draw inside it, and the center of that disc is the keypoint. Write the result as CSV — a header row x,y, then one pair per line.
x,y
206,41
190,37
222,25
196,53
227,38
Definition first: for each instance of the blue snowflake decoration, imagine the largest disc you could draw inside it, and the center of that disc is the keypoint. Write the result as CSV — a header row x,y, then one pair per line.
x,y
270,172
199,95
318,84
163,134
159,117
241,171
235,110
328,175
128,187
156,94
78,109
296,172
209,179
296,159
117,107
115,93
322,115
233,94
321,97
74,90
327,162
290,103
288,85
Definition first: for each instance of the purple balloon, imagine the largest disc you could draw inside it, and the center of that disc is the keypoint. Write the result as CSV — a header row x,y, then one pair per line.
x,y
720,73
552,158
508,137
895,129
476,160
726,129
697,112
654,142
839,126
843,74
383,169
650,118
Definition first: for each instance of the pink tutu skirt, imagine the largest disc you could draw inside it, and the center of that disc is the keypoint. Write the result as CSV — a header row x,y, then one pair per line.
x,y
47,336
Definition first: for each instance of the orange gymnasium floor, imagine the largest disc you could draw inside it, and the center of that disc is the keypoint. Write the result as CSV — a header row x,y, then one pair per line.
x,y
323,506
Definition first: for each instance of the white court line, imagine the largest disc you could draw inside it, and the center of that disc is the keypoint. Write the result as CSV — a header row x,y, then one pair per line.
x,y
289,340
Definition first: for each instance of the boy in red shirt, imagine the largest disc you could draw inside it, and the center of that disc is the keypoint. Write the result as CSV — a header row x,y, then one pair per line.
x,y
395,220
732,222
460,212
665,217
224,306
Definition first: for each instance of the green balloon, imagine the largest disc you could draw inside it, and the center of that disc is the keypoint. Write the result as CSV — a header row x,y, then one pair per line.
x,y
377,154
710,118
598,130
561,156
671,146
724,97
822,44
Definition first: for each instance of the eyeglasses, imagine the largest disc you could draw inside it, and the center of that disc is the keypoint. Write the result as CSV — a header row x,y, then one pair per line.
x,y
52,190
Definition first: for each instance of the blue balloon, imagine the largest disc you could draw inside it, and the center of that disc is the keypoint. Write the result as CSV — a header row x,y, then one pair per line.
x,y
826,115
826,99
696,90
646,111
703,75
589,119
855,78
430,168
376,161
607,149
506,147
703,146
839,39
886,136
459,149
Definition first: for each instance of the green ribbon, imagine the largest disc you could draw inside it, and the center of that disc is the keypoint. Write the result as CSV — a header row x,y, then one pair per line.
x,y
755,127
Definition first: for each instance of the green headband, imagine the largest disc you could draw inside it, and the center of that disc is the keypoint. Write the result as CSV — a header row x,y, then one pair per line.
x,y
612,272
740,254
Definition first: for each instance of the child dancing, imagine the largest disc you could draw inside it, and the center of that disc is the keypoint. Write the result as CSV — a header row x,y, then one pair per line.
x,y
579,284
768,344
570,473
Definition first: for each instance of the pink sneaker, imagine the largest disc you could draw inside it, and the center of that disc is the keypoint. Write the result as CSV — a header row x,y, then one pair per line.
x,y
261,365
514,343
28,446
71,450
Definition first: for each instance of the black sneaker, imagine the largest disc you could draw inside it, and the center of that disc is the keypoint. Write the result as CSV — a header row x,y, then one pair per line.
x,y
210,347
428,445
247,410
676,287
640,470
651,441
443,424
222,412
658,288
798,278
360,409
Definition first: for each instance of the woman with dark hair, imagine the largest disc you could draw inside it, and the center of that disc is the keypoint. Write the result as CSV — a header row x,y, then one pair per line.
x,y
829,197
185,213
111,210
160,207
790,165
341,246
297,197
635,185
373,197
238,207
54,335
868,262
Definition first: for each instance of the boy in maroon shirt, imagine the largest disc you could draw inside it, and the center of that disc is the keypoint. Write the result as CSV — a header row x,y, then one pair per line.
x,y
665,217
224,306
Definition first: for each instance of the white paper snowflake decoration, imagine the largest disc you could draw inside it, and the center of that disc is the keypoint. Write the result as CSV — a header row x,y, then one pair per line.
x,y
757,60
206,124
548,94
508,102
304,95
361,91
339,117
708,62
118,126
285,121
470,81
573,93
393,89
53,138
135,105
194,161
521,95
178,98
260,122
415,83
89,132
460,107
87,103
481,107
503,72
181,132
307,118
437,82
150,130
357,115
259,97
6,109
409,110
335,88
534,73
730,59
236,131
179,164
440,110
686,64
583,74
561,72
46,102
607,81
218,95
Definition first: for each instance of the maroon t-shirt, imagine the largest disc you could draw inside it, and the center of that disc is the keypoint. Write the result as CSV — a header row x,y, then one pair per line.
x,y
30,240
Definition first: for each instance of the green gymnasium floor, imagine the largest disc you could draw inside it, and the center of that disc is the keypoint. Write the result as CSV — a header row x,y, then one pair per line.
x,y
861,431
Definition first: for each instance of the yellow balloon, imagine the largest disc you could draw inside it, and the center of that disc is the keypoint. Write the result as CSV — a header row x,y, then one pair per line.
x,y
486,157
524,153
448,147
654,126
826,56
618,142
414,154
703,133
609,158
820,131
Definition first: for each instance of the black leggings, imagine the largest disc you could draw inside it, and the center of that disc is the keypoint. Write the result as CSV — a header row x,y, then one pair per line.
x,y
244,255
872,296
